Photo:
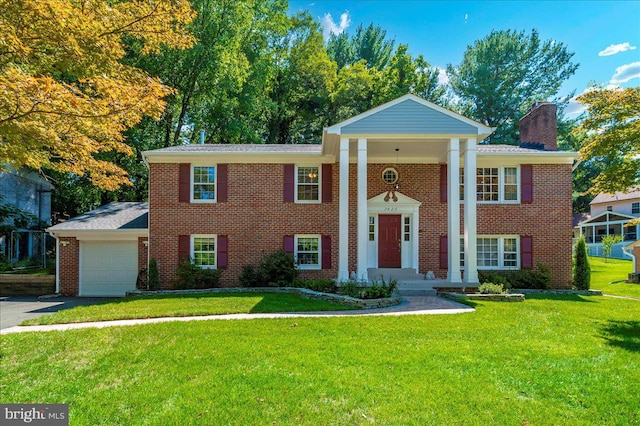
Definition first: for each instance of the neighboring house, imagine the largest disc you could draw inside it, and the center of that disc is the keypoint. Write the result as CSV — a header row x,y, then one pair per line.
x,y
383,192
609,215
31,193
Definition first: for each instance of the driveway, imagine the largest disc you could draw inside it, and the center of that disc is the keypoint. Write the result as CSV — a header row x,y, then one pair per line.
x,y
15,309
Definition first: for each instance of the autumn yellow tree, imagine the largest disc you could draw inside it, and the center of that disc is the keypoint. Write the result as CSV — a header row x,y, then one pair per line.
x,y
65,95
612,123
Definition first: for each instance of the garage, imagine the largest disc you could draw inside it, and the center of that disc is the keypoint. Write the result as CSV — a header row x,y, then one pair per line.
x,y
101,252
108,268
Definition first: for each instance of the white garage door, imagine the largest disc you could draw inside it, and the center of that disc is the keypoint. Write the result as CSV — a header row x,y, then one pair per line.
x,y
108,268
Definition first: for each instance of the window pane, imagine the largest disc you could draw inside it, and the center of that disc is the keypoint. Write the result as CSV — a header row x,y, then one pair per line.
x,y
308,187
488,252
308,251
308,192
510,183
204,179
204,251
487,184
372,228
510,249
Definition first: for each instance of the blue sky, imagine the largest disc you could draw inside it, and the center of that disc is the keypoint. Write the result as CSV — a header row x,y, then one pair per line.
x,y
604,35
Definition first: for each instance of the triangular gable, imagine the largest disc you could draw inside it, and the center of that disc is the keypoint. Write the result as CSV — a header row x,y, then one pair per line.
x,y
410,115
403,200
602,218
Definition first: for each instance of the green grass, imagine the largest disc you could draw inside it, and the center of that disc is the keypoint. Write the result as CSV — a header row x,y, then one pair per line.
x,y
548,360
186,305
609,277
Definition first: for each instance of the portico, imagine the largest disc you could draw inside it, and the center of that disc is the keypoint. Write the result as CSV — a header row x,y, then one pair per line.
x,y
408,130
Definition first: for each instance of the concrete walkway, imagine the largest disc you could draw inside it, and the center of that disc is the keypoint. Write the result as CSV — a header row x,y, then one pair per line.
x,y
411,305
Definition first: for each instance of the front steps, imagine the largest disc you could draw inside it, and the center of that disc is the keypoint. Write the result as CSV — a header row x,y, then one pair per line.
x,y
410,283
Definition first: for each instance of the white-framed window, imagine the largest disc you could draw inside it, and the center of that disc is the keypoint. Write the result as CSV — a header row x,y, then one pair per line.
x,y
389,175
203,250
495,184
406,228
308,188
499,252
635,208
203,184
307,251
372,228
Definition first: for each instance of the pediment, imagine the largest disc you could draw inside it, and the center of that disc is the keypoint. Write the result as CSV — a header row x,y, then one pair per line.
x,y
403,200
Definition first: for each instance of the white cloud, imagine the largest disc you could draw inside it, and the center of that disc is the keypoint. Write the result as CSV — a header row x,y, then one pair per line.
x,y
626,72
443,78
329,26
616,48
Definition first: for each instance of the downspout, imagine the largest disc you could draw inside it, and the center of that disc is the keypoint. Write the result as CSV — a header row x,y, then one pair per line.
x,y
633,258
57,262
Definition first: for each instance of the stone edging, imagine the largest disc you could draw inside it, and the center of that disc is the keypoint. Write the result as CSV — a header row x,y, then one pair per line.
x,y
459,297
311,294
560,292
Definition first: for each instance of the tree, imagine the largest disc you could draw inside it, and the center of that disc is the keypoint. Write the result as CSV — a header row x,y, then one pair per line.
x,y
608,241
65,96
301,84
612,123
501,75
369,44
581,268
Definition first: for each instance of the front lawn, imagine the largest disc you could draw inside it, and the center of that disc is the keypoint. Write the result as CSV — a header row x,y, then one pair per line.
x,y
609,277
180,305
548,360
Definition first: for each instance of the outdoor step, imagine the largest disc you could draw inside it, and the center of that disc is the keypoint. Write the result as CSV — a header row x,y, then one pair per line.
x,y
417,292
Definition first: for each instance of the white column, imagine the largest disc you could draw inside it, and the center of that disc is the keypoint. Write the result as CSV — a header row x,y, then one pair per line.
x,y
343,211
363,219
470,226
453,172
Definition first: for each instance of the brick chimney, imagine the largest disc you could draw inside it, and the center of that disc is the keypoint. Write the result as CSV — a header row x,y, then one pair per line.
x,y
539,127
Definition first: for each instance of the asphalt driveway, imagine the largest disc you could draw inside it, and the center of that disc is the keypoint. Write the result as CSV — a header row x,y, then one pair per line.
x,y
15,309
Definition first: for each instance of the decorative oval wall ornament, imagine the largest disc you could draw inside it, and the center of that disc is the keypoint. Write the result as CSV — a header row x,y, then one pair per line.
x,y
390,175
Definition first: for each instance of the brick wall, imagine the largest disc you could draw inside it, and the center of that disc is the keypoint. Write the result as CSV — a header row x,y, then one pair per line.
x,y
540,125
256,219
69,266
143,252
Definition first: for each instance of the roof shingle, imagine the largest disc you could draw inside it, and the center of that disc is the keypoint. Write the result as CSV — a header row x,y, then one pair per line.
x,y
112,216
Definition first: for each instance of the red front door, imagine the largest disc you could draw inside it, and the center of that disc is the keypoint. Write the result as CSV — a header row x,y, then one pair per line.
x,y
389,241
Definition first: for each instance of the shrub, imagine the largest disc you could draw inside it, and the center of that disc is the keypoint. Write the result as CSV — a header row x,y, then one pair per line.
x,y
154,276
323,286
364,290
538,278
250,277
491,288
190,276
349,288
496,277
278,269
581,268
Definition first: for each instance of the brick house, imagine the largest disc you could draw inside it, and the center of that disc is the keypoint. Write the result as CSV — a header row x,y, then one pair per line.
x,y
383,192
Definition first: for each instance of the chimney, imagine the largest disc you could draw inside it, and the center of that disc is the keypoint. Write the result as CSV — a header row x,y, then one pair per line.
x,y
539,127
